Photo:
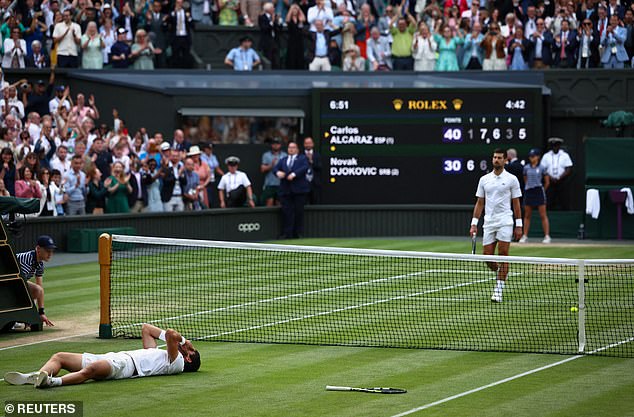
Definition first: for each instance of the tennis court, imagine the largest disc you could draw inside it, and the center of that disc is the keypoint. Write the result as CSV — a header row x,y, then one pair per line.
x,y
276,379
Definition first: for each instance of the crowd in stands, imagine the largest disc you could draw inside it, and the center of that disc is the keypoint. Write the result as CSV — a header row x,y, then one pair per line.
x,y
352,35
450,35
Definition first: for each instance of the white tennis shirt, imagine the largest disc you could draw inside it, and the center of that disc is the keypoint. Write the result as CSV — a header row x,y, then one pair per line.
x,y
497,191
155,361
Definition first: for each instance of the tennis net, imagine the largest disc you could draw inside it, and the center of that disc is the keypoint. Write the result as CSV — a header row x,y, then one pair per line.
x,y
249,292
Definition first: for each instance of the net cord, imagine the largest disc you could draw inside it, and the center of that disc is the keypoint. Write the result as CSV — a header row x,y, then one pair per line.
x,y
355,251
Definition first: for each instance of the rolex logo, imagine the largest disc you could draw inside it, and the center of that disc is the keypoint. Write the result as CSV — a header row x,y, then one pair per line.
x,y
398,104
457,103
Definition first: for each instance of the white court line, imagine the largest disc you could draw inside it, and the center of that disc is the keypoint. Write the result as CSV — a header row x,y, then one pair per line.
x,y
338,310
46,341
313,292
512,378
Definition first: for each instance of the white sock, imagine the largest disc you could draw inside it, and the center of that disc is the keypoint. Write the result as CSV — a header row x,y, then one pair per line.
x,y
500,285
55,381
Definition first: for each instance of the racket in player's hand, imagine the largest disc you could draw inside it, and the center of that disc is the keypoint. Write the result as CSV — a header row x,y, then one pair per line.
x,y
474,240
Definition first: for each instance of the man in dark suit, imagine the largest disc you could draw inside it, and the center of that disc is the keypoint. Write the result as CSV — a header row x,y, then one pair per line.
x,y
314,174
137,199
565,46
294,188
156,26
37,58
269,29
540,51
181,26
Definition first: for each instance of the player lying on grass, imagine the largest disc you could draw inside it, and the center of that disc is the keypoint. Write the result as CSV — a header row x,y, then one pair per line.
x,y
180,356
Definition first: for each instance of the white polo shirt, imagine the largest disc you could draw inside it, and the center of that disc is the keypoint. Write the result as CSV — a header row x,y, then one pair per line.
x,y
556,163
67,46
155,361
230,182
497,191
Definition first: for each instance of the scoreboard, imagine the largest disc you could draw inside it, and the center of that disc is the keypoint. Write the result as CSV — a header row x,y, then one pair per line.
x,y
427,146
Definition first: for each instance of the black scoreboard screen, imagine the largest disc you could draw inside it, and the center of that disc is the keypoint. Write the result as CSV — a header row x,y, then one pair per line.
x,y
389,146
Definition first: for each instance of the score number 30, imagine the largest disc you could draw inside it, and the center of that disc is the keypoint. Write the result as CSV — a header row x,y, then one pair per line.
x,y
455,165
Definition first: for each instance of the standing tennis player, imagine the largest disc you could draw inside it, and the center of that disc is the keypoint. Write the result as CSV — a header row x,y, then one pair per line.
x,y
496,191
180,356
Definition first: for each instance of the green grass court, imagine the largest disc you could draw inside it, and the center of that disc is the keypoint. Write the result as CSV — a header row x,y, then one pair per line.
x,y
258,379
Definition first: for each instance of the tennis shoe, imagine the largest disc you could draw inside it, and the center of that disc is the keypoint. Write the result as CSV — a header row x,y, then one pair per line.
x,y
523,239
42,380
496,298
18,378
546,239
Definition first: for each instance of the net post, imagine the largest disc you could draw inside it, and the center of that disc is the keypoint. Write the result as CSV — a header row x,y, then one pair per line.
x,y
105,250
582,306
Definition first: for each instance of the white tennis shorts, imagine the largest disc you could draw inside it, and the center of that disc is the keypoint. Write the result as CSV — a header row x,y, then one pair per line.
x,y
500,233
122,366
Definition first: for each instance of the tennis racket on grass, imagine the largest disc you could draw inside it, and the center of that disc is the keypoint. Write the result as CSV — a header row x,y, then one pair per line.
x,y
370,390
474,239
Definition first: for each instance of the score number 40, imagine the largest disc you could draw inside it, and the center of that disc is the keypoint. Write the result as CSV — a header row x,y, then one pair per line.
x,y
454,134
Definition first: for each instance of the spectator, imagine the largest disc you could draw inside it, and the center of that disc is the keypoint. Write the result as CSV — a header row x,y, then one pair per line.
x,y
402,38
320,11
191,185
66,36
156,26
353,60
137,198
228,15
27,186
37,101
314,174
295,21
60,161
536,181
530,21
204,174
171,192
118,186
127,20
613,41
424,49
364,25
143,51
59,196
61,97
96,194
120,51
100,156
109,36
243,58
179,143
269,24
271,181
234,188
47,207
75,180
615,9
518,46
210,159
473,14
508,30
37,58
515,167
540,52
201,12
181,27
152,183
565,47
558,166
628,24
379,51
92,45
472,52
588,40
447,46
494,47
250,10
294,188
318,49
11,105
3,189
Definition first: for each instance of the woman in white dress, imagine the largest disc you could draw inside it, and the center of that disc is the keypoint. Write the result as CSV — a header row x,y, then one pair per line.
x,y
14,50
109,37
424,49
